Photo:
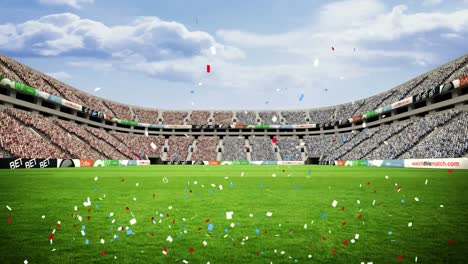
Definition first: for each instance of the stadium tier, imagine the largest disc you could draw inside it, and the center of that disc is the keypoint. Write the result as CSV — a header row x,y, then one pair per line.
x,y
425,117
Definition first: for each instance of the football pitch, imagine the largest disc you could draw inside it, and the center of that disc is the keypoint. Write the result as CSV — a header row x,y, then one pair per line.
x,y
279,214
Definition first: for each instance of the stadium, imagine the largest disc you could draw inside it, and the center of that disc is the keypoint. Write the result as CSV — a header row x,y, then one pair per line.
x,y
382,179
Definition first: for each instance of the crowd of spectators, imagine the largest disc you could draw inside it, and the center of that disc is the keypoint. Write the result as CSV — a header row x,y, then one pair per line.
x,y
246,118
199,117
122,148
346,111
179,148
324,145
121,111
269,118
29,76
174,117
372,103
70,143
234,148
352,143
146,115
409,136
222,118
294,117
67,91
289,148
205,148
321,116
103,147
7,73
138,143
383,133
447,141
262,149
20,141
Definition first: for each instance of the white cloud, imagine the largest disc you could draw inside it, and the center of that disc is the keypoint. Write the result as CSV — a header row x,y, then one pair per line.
x,y
71,3
61,75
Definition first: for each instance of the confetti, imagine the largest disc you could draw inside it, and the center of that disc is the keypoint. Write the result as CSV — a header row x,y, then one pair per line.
x,y
301,97
191,250
205,243
133,221
450,171
274,119
334,251
342,208
416,259
441,205
273,175
137,184
416,199
95,178
8,207
353,241
450,241
334,203
373,203
9,220
102,241
410,224
390,233
83,233
89,217
220,187
97,89
87,241
229,215
210,227
76,208
402,201
79,218
208,68
169,207
400,258
43,216
356,236
169,238
386,177
165,180
425,182
344,223
103,253
345,242
358,202
324,215
274,140
359,216
129,232
316,63
213,50
333,48
25,261
269,214
305,226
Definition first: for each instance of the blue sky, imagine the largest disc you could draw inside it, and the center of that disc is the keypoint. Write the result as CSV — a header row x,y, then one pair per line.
x,y
154,53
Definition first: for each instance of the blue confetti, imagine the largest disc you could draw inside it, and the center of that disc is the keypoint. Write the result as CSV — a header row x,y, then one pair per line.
x,y
262,185
112,240
83,227
192,91
211,191
129,232
97,207
116,236
95,190
226,230
231,185
402,201
309,171
210,227
87,242
178,235
185,196
257,231
324,215
301,97
390,233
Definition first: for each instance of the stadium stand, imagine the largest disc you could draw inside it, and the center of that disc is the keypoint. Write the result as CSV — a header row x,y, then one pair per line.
x,y
205,148
146,115
199,117
234,148
222,118
137,143
174,117
322,115
122,148
294,117
289,148
262,149
120,111
270,118
246,118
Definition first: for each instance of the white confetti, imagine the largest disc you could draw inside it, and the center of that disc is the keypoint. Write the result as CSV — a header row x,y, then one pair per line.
x,y
53,231
310,256
229,215
134,199
79,218
232,225
269,214
137,184
441,205
305,226
353,241
111,214
386,177
83,233
43,216
8,207
425,182
76,208
87,203
184,261
25,261
410,224
200,84
356,236
358,202
97,89
95,178
360,185
169,238
316,63
113,221
416,259
165,180
274,119
195,182
169,207
205,243
373,203
213,50
164,252
273,175
213,185
220,187
242,174
416,199
102,241
251,215
335,202
133,221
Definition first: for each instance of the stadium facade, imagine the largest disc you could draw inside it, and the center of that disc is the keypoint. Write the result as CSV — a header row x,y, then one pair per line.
x,y
423,118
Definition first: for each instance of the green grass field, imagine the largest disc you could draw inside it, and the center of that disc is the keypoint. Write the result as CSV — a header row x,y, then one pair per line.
x,y
303,227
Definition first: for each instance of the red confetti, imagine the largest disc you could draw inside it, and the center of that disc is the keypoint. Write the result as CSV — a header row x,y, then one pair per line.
x,y
368,183
274,140
359,216
399,187
258,254
154,195
167,215
265,232
400,258
122,180
74,225
103,253
191,250
173,221
126,208
284,170
345,242
200,228
152,233
89,217
344,223
9,220
450,241
89,210
207,220
342,208
324,238
375,191
165,249
334,251
71,215
51,237
333,48
58,225
208,68
152,218
234,244
190,190
450,171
